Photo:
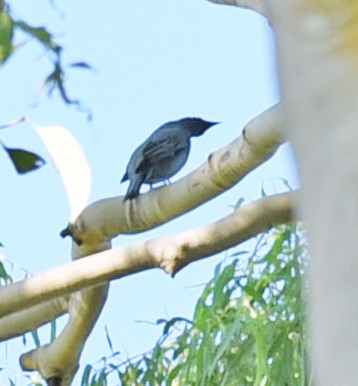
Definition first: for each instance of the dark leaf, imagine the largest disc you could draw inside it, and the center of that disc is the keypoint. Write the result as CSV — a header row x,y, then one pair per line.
x,y
171,323
239,253
108,339
113,367
56,81
23,160
286,183
83,65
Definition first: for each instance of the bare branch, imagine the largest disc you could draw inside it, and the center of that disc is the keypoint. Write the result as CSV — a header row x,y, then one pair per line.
x,y
170,253
110,217
60,359
28,319
105,219
260,6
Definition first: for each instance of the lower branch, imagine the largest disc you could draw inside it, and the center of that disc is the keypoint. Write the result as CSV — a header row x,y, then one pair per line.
x,y
60,359
28,319
170,253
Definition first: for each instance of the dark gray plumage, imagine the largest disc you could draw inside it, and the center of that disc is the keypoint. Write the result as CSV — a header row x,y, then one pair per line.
x,y
163,154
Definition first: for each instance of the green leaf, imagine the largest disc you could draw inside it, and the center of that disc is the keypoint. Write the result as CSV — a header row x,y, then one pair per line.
x,y
102,379
222,292
53,330
36,338
263,193
239,203
4,275
108,339
224,345
6,35
24,161
40,34
173,375
86,375
170,323
250,289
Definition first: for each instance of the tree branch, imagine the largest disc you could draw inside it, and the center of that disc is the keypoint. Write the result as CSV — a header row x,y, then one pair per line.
x,y
105,219
110,217
171,253
60,359
259,6
28,319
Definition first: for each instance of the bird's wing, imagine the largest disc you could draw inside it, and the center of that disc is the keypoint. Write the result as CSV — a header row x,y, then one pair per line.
x,y
159,150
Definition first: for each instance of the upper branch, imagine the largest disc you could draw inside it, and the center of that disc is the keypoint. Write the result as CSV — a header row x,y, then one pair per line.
x,y
110,217
260,6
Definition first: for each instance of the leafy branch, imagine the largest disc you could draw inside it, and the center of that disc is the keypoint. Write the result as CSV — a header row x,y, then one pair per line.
x,y
9,25
247,328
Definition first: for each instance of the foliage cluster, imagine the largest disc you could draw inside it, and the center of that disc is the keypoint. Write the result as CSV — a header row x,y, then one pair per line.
x,y
14,34
247,328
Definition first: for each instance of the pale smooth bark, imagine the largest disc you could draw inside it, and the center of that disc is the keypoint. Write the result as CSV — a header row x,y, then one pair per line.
x,y
170,253
60,358
318,56
27,319
259,6
105,219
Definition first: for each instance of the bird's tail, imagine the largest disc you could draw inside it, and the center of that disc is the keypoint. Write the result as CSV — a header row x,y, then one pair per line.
x,y
134,186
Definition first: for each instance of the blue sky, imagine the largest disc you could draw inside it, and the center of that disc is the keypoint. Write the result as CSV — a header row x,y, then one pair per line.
x,y
154,61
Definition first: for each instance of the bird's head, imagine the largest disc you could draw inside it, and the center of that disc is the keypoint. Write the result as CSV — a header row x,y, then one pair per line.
x,y
196,126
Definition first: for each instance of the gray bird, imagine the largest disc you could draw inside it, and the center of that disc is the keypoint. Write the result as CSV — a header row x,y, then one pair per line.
x,y
163,154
